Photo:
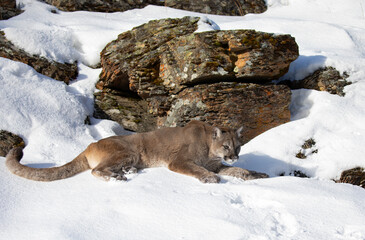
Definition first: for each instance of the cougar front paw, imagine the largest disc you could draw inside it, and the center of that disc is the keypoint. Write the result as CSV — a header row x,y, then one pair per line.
x,y
256,175
129,170
118,177
211,178
242,173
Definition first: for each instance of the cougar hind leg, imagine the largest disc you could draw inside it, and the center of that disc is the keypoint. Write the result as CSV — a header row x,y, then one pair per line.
x,y
115,167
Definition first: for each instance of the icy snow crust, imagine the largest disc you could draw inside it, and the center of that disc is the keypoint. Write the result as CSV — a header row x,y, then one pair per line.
x,y
157,203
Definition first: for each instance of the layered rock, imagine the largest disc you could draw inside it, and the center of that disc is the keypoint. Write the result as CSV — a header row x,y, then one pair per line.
x,y
163,74
163,57
8,9
325,79
233,8
8,141
254,107
59,71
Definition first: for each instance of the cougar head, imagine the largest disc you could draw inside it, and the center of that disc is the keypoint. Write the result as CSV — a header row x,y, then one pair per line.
x,y
226,144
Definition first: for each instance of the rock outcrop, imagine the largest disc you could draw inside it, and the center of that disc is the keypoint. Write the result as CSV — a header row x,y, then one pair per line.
x,y
8,9
233,8
164,74
59,71
99,5
8,141
326,79
355,176
165,56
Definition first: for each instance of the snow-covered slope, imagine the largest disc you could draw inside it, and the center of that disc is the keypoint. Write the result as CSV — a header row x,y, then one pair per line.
x,y
157,203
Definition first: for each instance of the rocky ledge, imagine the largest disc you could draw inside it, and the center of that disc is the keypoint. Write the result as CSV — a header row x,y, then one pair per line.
x,y
60,71
164,74
234,8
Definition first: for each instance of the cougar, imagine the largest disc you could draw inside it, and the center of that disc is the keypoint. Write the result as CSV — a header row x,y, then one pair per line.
x,y
197,150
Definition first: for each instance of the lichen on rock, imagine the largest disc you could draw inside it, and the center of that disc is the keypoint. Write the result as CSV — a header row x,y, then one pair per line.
x,y
325,79
220,77
165,56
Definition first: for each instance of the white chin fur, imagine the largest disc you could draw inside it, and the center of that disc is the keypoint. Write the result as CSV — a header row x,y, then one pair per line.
x,y
229,161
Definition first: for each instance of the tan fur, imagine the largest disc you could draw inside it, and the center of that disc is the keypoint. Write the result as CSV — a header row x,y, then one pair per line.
x,y
196,150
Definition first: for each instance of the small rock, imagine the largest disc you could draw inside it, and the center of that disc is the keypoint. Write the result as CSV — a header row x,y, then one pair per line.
x,y
298,173
327,79
8,141
355,176
308,148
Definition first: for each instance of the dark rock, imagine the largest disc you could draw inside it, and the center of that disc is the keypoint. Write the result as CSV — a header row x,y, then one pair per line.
x,y
8,9
255,107
309,143
327,79
298,173
308,148
8,141
59,71
130,112
233,8
355,176
99,5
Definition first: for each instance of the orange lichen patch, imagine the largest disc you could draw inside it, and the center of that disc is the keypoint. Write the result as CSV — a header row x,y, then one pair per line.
x,y
162,69
268,92
242,59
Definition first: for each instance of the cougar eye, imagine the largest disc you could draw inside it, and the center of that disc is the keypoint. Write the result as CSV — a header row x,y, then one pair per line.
x,y
226,147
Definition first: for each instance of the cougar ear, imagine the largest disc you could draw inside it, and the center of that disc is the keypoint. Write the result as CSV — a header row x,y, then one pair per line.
x,y
217,133
239,132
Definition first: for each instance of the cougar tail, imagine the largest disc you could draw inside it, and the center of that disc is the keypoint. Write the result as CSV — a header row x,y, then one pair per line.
x,y
78,165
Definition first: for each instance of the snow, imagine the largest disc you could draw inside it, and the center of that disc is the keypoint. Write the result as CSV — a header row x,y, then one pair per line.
x,y
160,204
